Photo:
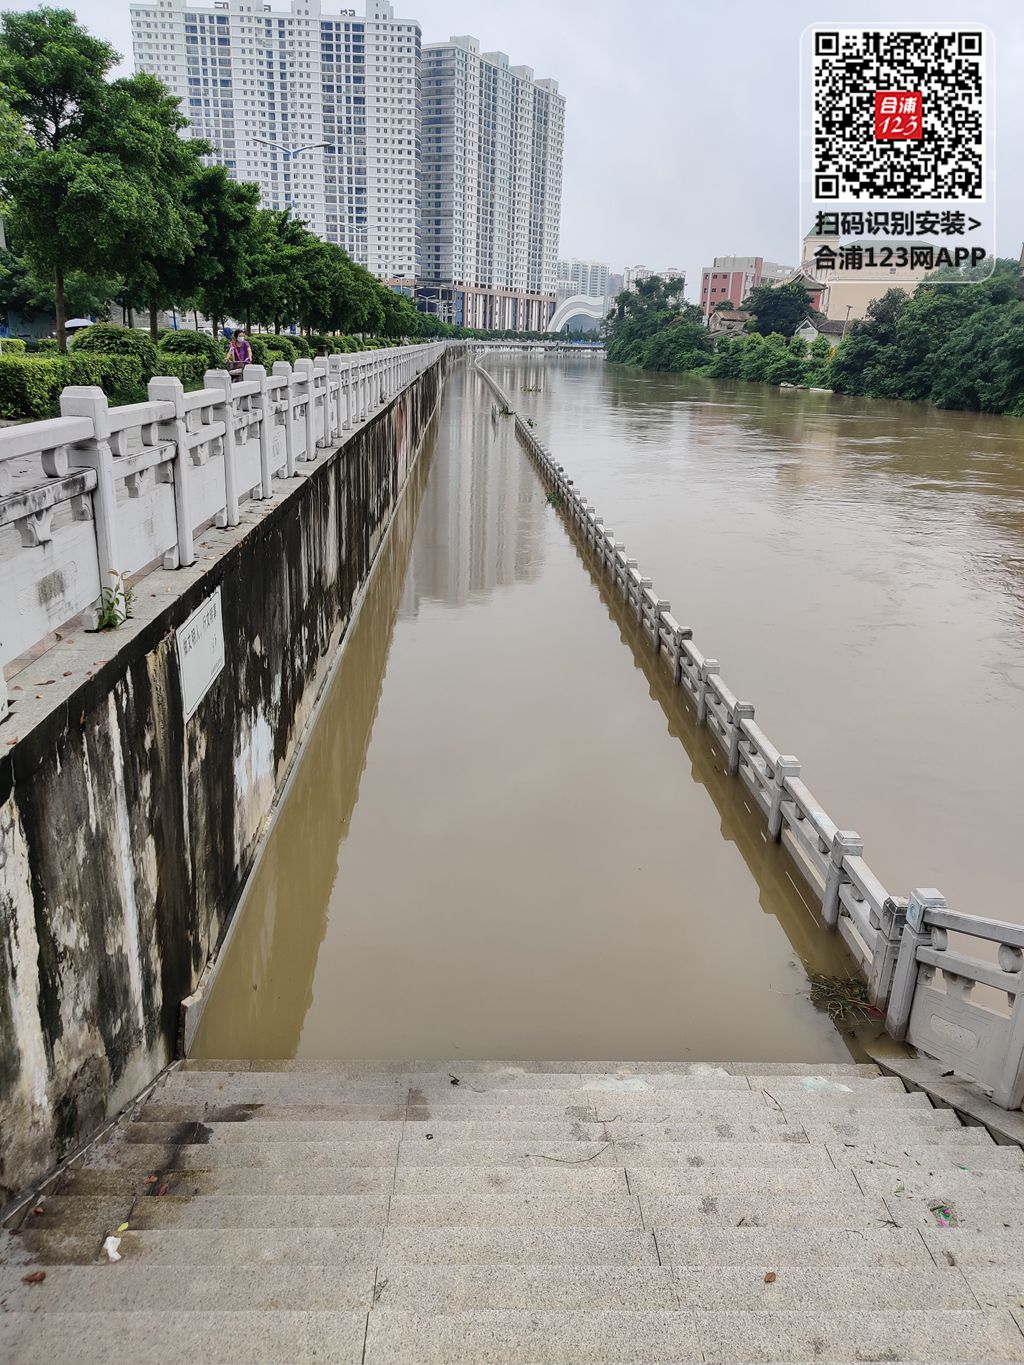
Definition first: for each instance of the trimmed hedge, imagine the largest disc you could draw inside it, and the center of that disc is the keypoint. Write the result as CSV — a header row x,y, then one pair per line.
x,y
12,345
321,344
302,347
30,386
107,338
281,348
190,369
193,343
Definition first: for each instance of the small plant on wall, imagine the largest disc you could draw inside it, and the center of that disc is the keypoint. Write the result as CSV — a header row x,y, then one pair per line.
x,y
116,601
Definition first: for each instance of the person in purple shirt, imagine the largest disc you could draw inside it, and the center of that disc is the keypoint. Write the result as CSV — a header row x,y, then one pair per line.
x,y
239,352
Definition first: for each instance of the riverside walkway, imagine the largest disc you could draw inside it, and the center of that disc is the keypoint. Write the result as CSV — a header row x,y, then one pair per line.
x,y
475,1214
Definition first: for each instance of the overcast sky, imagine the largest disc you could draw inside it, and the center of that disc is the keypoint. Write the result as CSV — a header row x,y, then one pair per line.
x,y
681,117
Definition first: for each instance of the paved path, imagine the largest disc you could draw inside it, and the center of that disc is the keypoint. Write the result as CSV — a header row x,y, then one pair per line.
x,y
492,1214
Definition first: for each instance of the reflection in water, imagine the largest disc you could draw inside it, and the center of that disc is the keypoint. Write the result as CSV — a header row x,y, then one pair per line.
x,y
482,518
265,982
527,871
858,568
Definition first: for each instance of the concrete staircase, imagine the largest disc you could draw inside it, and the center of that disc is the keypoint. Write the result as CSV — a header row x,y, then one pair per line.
x,y
491,1214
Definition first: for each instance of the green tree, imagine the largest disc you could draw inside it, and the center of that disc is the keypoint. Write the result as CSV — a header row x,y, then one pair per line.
x,y
777,308
69,204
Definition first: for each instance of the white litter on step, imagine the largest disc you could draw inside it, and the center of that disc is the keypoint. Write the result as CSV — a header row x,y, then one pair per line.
x,y
110,1247
821,1085
706,1069
619,1083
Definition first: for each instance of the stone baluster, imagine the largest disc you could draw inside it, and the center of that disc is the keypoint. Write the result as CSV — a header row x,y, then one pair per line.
x,y
169,389
90,401
335,367
304,369
284,394
321,371
224,411
707,668
916,934
739,712
846,843
258,374
785,766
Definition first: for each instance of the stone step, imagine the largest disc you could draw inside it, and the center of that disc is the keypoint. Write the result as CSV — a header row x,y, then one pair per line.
x,y
977,1214
552,1245
527,1153
353,1248
752,1209
945,1184
899,1124
214,1338
971,1250
231,1211
907,1156
148,1157
232,1288
431,1183
448,1289
240,1180
777,1247
513,1070
510,1337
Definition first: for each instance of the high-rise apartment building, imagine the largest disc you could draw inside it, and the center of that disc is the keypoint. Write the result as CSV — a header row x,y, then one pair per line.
x,y
589,278
633,274
338,93
491,188
731,279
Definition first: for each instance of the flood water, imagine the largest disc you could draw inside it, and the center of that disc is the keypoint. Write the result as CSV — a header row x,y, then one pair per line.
x,y
506,839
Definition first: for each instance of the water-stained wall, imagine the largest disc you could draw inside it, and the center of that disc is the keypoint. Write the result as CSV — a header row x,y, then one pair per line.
x,y
127,833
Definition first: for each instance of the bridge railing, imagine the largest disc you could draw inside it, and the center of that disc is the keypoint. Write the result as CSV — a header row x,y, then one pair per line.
x,y
956,1007
101,492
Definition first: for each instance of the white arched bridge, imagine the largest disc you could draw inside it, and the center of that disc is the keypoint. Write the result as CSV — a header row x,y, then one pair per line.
x,y
580,313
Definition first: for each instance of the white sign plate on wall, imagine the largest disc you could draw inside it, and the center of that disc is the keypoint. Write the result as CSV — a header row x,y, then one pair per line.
x,y
200,651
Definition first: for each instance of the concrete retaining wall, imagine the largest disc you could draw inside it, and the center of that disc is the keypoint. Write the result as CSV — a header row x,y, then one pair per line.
x,y
127,832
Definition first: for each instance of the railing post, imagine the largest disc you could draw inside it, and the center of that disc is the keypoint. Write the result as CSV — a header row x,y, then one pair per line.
x,y
741,711
281,367
223,411
304,368
845,843
656,612
1008,1090
320,367
707,668
904,982
334,368
785,766
168,389
90,401
347,423
259,374
886,951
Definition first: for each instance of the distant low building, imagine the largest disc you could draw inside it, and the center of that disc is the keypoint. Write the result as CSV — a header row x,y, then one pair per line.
x,y
819,326
727,321
731,278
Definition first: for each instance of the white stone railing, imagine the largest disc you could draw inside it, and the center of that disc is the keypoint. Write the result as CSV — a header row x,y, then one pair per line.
x,y
100,492
900,945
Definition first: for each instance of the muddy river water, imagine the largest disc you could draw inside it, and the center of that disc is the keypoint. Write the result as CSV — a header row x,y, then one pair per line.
x,y
506,839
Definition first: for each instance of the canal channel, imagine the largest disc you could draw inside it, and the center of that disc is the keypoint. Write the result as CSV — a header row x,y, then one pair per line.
x,y
507,839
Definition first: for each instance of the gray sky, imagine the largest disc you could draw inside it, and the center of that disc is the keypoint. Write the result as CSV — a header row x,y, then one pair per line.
x,y
681,137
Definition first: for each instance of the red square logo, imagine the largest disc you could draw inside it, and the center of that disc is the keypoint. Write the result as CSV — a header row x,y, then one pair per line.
x,y
898,114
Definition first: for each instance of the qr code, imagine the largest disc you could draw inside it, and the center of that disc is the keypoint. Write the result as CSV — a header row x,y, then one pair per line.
x,y
898,114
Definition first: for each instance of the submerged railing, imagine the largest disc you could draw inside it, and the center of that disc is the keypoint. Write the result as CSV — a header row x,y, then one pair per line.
x,y
101,493
942,999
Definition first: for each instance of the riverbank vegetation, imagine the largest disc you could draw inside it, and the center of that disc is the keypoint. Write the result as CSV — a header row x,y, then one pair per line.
x,y
954,343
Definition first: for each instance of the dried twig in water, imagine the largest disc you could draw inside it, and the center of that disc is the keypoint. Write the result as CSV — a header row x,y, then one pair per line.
x,y
845,998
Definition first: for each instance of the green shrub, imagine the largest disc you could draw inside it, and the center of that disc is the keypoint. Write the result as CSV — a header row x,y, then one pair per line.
x,y
44,346
261,354
321,345
302,347
12,345
30,386
107,338
193,343
190,369
280,348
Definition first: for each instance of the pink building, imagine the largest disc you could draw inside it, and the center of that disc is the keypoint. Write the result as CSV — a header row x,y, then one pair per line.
x,y
731,279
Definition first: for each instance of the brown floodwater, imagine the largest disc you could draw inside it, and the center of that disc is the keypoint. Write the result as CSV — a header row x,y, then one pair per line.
x,y
507,839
